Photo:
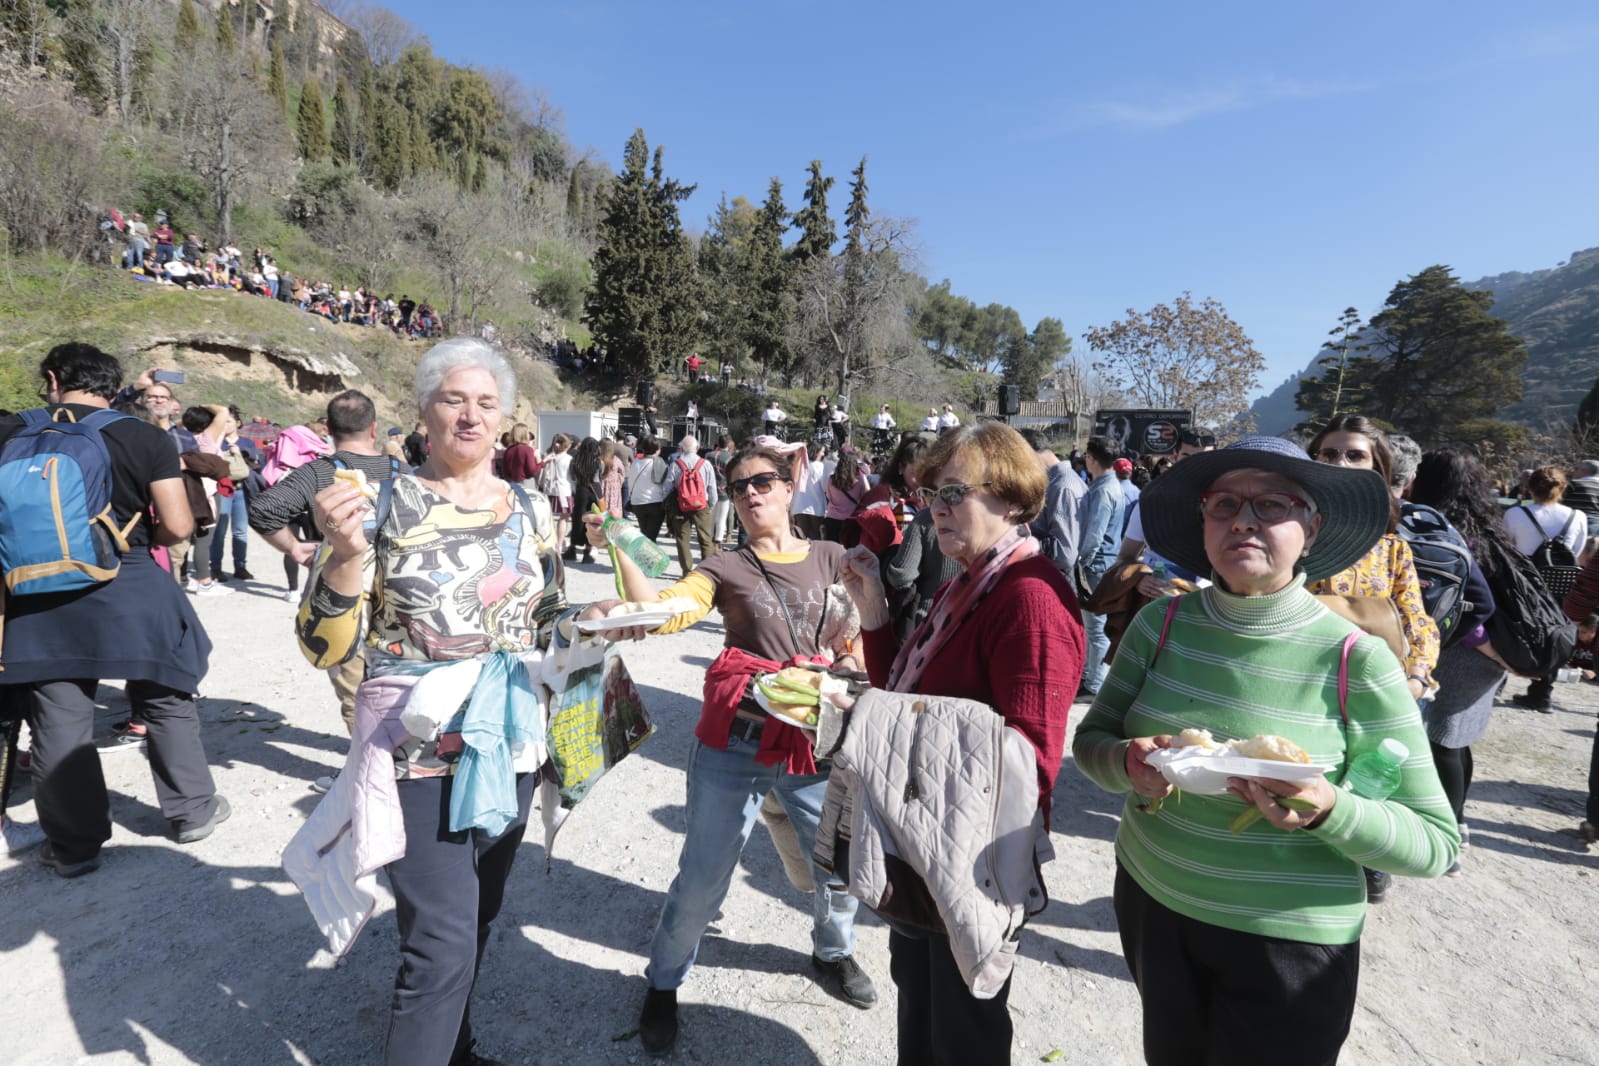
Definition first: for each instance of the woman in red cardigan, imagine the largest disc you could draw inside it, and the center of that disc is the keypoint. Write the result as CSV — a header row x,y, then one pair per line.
x,y
1005,633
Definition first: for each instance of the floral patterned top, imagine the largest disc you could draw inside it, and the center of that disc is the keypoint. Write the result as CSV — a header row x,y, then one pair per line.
x,y
611,478
1389,570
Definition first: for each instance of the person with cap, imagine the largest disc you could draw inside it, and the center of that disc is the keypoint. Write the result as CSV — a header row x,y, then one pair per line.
x,y
1244,942
1123,468
394,445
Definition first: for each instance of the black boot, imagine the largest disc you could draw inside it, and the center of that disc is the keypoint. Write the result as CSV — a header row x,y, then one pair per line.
x,y
657,1022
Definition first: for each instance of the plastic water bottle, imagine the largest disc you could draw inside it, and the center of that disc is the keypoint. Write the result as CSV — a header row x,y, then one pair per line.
x,y
1159,566
1568,673
626,538
1377,774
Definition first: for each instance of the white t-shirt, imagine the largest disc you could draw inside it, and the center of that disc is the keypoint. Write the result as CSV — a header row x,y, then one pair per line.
x,y
641,484
775,414
1551,519
813,498
882,420
930,424
947,420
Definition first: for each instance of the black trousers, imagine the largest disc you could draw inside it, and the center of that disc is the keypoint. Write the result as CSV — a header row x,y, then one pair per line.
x,y
69,786
1593,781
1454,773
1217,997
650,517
940,1022
583,500
447,889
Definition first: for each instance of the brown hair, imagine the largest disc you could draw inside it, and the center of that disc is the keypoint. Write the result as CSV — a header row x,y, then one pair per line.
x,y
1547,484
1382,458
783,464
1011,467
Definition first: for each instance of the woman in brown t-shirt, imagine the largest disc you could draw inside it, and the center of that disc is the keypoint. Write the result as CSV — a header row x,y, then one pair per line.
x,y
776,608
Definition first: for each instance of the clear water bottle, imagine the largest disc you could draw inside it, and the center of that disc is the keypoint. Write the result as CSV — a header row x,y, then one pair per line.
x,y
626,538
1159,566
1377,774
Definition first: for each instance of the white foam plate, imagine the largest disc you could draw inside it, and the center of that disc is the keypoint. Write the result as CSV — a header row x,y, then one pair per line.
x,y
647,619
1192,770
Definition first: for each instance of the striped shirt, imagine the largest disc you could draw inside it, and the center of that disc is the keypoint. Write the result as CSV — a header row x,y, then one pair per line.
x,y
1239,666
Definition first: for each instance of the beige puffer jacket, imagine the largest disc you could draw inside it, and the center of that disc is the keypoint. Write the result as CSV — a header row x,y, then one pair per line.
x,y
946,786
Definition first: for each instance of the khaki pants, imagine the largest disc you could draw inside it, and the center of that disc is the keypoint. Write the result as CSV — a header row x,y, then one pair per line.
x,y
681,525
346,678
179,554
796,864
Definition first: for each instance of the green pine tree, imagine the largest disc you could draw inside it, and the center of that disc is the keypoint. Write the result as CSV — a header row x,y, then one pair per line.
x,y
249,19
277,88
421,150
817,235
643,306
310,127
391,154
574,198
767,276
225,38
187,34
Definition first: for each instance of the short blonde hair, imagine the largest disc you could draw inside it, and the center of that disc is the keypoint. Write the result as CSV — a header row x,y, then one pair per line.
x,y
1009,465
520,434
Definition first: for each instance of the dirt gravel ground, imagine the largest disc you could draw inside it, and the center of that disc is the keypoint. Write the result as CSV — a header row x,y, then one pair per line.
x,y
206,954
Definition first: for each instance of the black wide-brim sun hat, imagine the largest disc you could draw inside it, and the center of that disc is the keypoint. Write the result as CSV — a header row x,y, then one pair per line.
x,y
1353,504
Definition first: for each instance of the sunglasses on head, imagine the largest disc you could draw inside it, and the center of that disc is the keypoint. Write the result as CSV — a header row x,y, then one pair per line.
x,y
1268,507
762,483
952,495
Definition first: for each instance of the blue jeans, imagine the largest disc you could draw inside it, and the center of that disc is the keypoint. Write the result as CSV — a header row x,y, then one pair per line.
x,y
1094,669
231,509
725,789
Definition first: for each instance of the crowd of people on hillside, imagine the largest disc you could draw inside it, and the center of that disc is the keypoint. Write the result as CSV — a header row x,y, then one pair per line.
x,y
1216,596
166,256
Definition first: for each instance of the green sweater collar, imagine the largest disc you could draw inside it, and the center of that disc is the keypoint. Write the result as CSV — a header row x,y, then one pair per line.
x,y
1287,608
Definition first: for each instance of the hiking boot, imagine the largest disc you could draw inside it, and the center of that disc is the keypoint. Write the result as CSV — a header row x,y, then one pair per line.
x,y
657,1022
856,987
1532,703
204,829
48,856
1377,884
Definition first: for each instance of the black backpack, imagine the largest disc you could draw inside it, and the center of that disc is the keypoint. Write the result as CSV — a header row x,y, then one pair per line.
x,y
1443,565
1528,629
1553,559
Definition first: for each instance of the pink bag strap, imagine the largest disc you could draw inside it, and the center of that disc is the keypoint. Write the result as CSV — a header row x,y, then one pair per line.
x,y
1165,628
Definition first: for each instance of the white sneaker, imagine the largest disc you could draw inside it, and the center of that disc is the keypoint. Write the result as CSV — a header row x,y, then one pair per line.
x,y
20,836
191,585
322,784
292,595
213,588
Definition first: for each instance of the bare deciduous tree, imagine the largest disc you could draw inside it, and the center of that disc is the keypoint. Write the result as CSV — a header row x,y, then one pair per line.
x,y
235,138
851,317
384,33
464,237
1184,356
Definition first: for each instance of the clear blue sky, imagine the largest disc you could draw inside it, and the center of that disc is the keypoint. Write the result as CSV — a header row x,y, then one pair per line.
x,y
1077,159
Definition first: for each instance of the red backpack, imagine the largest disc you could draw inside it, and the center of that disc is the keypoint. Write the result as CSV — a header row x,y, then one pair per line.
x,y
691,496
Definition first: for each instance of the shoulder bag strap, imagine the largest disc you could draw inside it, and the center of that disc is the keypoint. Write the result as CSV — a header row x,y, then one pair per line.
x,y
1165,628
1536,525
793,632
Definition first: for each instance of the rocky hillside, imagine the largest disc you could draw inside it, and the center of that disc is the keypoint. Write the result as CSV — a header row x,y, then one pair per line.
x,y
270,358
1556,311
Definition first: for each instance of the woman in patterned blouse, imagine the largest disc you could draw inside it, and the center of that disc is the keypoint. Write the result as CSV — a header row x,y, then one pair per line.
x,y
453,594
1388,570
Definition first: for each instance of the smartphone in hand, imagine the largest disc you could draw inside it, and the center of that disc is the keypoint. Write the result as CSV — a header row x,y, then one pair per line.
x,y
170,377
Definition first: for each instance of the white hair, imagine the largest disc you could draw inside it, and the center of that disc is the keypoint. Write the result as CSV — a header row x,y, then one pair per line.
x,y
690,444
464,352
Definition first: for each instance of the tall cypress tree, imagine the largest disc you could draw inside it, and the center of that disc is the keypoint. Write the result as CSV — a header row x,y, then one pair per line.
x,y
225,39
346,126
277,87
187,34
767,273
817,235
574,199
391,155
311,124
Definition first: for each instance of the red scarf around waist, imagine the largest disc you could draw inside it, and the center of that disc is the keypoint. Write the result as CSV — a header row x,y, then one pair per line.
x,y
725,684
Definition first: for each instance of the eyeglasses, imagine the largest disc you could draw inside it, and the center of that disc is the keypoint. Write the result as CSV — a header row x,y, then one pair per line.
x,y
1269,507
1352,456
952,495
762,483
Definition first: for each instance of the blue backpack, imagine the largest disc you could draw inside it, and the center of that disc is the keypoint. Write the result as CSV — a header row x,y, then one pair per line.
x,y
57,529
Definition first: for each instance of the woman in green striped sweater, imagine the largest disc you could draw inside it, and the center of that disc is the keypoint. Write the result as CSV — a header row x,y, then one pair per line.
x,y
1246,946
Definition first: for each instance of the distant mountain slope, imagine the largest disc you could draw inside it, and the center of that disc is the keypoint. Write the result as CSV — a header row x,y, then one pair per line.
x,y
1555,311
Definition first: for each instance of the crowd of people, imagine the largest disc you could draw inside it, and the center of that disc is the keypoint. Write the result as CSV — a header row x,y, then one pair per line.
x,y
970,582
165,256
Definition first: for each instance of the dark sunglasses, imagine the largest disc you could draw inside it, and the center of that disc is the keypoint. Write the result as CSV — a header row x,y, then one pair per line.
x,y
1269,507
952,495
1353,456
763,484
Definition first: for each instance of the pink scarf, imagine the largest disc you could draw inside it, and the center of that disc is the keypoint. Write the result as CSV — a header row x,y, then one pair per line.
x,y
960,601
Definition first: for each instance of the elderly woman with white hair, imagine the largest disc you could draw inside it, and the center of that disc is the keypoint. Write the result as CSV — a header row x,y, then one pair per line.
x,y
449,582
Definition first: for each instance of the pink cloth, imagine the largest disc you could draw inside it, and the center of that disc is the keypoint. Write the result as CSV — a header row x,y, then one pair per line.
x,y
800,467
